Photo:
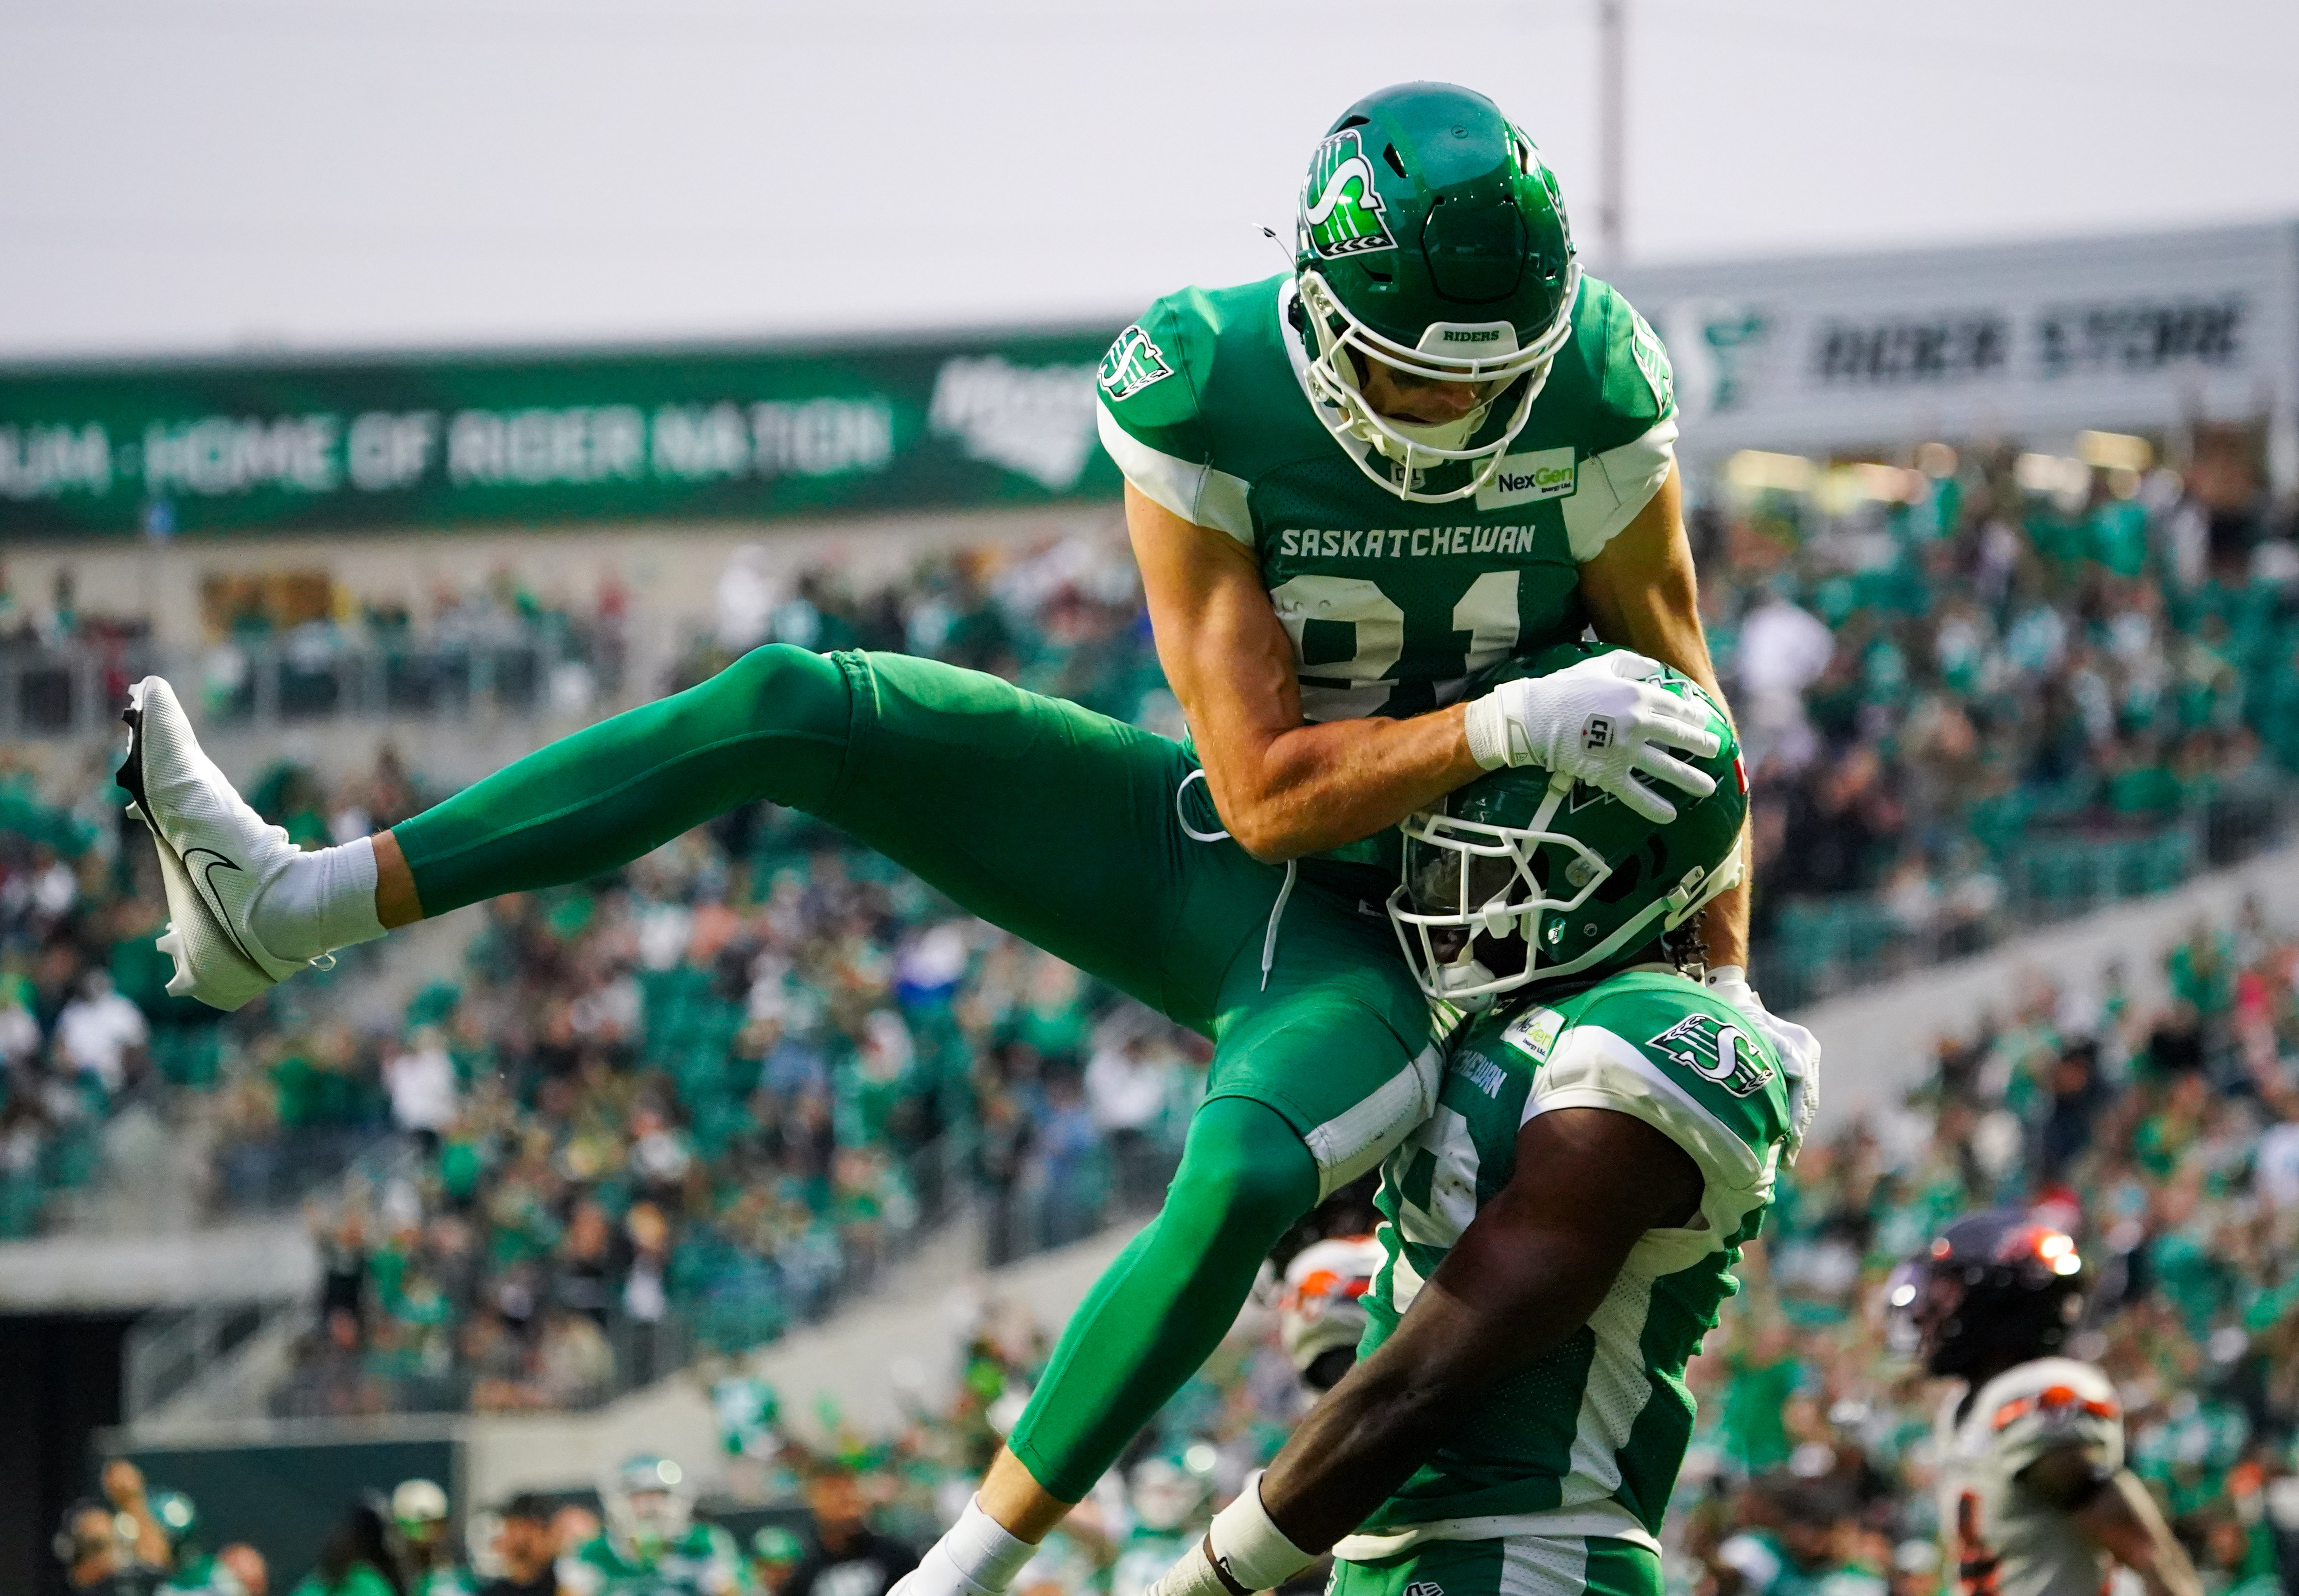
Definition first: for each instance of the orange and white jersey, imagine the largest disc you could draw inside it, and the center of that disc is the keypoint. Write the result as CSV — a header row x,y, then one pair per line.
x,y
2002,1539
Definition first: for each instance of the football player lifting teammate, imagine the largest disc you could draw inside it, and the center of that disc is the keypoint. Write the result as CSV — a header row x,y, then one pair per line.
x,y
1432,446
1558,1234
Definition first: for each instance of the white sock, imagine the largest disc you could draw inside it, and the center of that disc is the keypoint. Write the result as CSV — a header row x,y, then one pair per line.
x,y
986,1555
318,902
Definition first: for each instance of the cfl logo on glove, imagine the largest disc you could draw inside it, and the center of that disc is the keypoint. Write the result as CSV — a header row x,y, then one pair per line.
x,y
1597,733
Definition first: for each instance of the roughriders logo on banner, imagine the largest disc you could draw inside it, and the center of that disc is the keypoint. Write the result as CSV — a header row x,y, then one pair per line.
x,y
1036,420
1340,212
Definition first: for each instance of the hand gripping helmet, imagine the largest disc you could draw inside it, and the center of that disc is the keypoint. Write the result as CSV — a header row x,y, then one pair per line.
x,y
1996,1287
1431,237
1524,876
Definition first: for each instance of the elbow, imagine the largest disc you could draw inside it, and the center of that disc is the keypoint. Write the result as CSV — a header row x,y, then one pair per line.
x,y
1265,836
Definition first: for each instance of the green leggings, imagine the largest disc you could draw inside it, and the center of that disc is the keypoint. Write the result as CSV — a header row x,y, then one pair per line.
x,y
1065,828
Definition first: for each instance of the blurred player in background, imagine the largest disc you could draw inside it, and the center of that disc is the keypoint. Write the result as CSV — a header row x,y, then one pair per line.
x,y
649,1544
420,1512
2035,1500
116,1546
1803,1547
850,1558
1321,1313
1557,1236
526,1549
359,1557
1431,446
774,1555
238,1569
1167,1499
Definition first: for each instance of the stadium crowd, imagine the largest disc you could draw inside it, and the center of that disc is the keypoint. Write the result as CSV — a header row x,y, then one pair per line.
x,y
1976,699
687,1102
2164,1136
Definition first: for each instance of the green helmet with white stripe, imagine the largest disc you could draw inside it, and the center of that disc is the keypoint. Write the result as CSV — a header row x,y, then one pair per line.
x,y
1431,237
1522,876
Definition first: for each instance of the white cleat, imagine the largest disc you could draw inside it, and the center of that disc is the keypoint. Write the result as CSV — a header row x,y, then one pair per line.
x,y
215,854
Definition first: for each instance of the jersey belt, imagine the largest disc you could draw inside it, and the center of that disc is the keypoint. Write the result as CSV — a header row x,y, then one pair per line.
x,y
1606,1520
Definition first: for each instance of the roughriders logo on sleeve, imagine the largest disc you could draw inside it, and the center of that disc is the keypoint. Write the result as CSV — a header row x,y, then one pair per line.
x,y
1340,212
1132,363
1708,1047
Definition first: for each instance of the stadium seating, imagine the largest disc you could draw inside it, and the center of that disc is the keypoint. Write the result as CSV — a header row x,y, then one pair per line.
x,y
695,1101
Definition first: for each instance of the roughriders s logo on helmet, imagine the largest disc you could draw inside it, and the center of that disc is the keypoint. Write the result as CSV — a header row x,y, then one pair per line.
x,y
1711,1048
1132,363
1340,210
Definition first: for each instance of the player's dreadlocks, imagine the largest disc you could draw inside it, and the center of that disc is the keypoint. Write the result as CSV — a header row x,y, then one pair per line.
x,y
1686,945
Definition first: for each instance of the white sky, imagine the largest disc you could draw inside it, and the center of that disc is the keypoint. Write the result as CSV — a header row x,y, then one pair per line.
x,y
207,175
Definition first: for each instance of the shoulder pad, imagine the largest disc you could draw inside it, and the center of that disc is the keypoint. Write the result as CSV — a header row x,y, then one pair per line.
x,y
1151,388
1635,383
1699,1046
1149,378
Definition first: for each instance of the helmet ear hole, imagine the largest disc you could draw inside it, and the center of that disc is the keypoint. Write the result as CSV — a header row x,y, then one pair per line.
x,y
1631,873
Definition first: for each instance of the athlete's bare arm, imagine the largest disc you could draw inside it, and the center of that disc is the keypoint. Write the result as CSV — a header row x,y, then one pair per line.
x,y
1527,1273
1283,788
1642,594
2119,1514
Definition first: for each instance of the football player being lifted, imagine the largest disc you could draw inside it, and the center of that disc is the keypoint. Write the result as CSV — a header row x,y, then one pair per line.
x,y
1431,446
1558,1233
2035,1500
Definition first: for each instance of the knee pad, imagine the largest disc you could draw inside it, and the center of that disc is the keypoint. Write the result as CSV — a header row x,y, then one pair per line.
x,y
784,688
1246,1168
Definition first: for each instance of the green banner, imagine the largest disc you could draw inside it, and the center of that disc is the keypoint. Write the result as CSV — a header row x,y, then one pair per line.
x,y
541,440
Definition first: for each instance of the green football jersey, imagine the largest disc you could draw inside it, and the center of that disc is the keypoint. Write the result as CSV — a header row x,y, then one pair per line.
x,y
1587,1440
1390,604
703,1563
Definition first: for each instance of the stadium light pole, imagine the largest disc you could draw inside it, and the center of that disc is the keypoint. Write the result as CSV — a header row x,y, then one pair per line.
x,y
1612,132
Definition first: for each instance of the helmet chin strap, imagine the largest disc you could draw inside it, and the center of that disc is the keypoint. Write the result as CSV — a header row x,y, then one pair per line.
x,y
1467,971
1403,440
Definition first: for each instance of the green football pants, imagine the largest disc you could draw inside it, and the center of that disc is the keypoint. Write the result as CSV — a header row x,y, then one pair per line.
x,y
1066,829
1514,1566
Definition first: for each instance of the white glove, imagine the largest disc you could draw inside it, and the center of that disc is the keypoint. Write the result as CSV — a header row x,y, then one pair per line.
x,y
1798,1047
1601,722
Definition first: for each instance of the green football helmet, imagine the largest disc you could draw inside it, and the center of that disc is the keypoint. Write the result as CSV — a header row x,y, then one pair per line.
x,y
1431,237
1523,876
648,1505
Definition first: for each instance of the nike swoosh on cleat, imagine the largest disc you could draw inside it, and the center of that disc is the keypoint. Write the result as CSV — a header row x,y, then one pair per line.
x,y
204,875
